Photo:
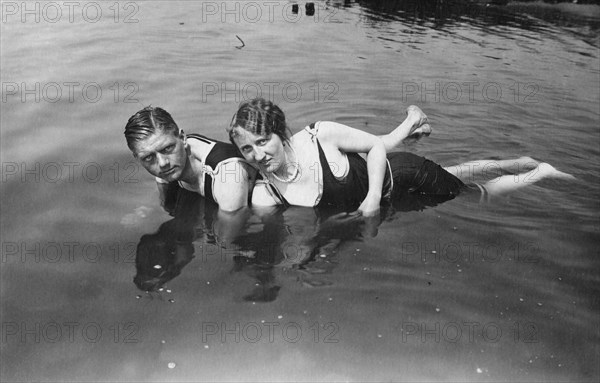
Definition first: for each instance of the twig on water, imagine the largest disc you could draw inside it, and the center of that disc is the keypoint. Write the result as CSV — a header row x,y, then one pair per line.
x,y
242,41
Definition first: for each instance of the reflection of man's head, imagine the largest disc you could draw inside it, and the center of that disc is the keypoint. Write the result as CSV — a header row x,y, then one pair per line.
x,y
161,256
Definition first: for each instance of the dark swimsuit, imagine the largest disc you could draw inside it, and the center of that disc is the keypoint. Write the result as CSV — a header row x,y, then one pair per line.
x,y
219,153
407,173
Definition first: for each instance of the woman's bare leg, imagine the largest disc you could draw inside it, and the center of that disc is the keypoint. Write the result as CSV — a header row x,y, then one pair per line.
x,y
509,183
468,171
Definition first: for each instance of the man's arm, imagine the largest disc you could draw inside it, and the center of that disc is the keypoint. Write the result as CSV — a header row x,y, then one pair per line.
x,y
167,195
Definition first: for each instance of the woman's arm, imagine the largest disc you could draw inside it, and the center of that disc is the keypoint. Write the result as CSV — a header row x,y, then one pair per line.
x,y
350,140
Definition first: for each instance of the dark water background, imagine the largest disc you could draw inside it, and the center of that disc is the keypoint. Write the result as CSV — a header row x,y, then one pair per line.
x,y
458,292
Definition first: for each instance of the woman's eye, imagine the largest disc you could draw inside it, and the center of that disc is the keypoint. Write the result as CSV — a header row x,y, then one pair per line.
x,y
262,142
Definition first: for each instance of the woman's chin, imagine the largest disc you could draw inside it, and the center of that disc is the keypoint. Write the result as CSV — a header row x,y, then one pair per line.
x,y
268,169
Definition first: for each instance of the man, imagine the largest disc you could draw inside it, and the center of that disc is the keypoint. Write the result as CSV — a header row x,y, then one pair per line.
x,y
211,168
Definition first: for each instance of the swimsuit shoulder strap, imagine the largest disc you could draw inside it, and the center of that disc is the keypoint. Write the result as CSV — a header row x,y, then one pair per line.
x,y
313,130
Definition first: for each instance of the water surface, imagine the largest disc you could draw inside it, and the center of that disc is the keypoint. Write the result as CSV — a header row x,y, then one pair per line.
x,y
457,292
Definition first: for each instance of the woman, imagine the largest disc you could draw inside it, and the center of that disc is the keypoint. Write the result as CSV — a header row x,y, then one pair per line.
x,y
320,165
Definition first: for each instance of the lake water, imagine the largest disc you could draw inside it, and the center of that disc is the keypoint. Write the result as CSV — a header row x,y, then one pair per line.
x,y
506,291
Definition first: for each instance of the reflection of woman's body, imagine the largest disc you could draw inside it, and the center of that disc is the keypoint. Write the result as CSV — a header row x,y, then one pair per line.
x,y
318,166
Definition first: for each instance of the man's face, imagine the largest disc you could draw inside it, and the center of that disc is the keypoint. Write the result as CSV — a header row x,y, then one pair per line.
x,y
163,155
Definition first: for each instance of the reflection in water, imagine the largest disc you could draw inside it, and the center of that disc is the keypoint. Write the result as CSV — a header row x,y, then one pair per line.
x,y
262,241
161,256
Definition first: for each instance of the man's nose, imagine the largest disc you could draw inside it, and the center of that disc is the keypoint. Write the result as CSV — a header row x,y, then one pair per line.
x,y
163,161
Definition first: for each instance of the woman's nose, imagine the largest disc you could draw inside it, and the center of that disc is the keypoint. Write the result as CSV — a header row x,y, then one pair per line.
x,y
259,155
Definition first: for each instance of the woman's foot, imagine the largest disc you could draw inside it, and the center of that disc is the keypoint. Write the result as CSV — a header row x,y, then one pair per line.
x,y
420,123
545,170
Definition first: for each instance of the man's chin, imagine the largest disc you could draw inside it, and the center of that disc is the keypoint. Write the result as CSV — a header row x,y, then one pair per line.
x,y
171,177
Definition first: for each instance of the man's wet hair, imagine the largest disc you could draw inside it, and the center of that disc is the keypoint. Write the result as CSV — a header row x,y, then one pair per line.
x,y
147,122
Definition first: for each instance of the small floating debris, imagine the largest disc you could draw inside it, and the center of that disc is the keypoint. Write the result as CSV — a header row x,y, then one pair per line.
x,y
138,296
172,365
437,309
163,341
433,252
208,282
172,300
539,304
330,299
242,41
161,289
206,346
305,312
455,228
521,299
157,267
379,335
479,370
169,291
279,316
323,255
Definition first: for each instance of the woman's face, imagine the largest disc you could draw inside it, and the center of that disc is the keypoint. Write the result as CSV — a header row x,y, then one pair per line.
x,y
265,150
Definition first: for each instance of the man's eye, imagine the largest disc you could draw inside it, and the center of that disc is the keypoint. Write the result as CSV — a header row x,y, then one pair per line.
x,y
147,159
169,149
246,149
262,142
